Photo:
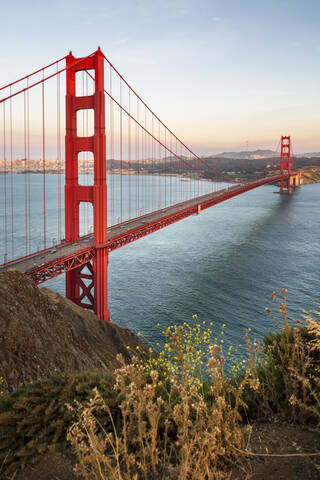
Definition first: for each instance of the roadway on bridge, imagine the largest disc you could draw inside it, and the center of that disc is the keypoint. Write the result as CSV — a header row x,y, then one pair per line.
x,y
41,258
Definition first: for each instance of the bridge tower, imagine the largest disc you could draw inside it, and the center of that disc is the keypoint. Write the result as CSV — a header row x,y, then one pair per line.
x,y
285,164
86,285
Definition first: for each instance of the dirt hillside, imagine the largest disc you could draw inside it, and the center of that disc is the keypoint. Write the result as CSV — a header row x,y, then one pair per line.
x,y
311,175
42,332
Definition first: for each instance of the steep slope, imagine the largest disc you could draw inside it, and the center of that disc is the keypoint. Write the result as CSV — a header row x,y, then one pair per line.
x,y
42,332
311,175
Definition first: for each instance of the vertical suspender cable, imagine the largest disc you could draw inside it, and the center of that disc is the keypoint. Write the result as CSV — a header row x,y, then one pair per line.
x,y
190,177
181,174
189,184
177,173
152,182
192,180
137,162
195,179
160,164
112,148
121,151
150,162
44,171
148,170
5,184
59,155
144,168
165,167
171,178
198,175
144,161
28,158
25,169
11,165
129,157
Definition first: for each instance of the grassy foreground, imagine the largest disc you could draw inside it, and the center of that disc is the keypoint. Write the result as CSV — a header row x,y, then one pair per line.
x,y
177,415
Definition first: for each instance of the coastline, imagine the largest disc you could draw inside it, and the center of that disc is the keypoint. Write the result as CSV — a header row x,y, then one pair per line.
x,y
309,175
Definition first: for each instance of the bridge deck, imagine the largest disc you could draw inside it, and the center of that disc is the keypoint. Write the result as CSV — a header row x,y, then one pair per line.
x,y
49,263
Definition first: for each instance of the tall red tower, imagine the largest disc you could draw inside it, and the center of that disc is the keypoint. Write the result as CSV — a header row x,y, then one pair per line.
x,y
87,285
285,163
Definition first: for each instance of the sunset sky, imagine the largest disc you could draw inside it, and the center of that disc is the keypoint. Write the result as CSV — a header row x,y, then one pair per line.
x,y
220,73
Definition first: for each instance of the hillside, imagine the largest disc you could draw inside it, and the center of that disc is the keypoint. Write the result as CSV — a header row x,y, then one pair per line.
x,y
255,154
42,332
311,175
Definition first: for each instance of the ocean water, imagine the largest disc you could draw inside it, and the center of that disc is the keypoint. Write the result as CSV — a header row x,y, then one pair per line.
x,y
222,265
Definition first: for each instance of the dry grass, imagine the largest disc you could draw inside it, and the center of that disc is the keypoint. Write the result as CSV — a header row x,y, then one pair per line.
x,y
177,425
169,429
289,370
178,415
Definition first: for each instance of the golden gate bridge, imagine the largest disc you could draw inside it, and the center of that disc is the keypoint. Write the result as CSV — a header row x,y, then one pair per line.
x,y
106,127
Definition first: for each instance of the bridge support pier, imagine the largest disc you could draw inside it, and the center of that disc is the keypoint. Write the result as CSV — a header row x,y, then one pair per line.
x,y
285,164
296,180
87,285
79,285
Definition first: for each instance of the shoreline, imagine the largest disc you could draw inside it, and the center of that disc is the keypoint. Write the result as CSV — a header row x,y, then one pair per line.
x,y
309,176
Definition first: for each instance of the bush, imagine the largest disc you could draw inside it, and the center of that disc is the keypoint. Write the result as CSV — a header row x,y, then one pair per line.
x,y
289,370
176,415
35,419
168,430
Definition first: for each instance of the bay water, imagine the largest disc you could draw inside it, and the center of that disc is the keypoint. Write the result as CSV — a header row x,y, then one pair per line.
x,y
222,265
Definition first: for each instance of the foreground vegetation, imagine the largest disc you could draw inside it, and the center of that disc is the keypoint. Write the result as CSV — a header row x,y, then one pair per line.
x,y
178,415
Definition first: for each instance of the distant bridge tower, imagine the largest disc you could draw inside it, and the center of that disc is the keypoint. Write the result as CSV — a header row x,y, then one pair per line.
x,y
86,285
285,164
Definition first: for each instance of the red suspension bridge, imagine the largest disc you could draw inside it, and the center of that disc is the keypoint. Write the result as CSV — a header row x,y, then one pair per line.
x,y
126,175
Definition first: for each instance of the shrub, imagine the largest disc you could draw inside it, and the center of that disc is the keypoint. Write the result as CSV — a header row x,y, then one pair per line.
x,y
168,430
35,419
289,370
176,415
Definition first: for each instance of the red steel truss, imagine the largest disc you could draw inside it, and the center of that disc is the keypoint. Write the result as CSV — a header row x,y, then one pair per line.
x,y
86,257
60,265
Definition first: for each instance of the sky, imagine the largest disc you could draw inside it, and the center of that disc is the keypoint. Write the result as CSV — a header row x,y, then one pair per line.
x,y
222,74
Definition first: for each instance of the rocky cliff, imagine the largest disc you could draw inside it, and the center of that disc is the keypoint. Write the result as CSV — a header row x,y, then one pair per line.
x,y
42,332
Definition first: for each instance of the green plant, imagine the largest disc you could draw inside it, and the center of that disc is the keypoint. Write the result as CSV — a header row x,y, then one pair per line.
x,y
168,429
34,418
177,415
289,370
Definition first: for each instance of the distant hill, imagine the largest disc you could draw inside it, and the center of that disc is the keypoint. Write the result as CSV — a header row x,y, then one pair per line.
x,y
257,154
308,155
251,155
